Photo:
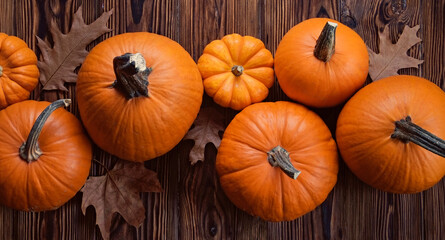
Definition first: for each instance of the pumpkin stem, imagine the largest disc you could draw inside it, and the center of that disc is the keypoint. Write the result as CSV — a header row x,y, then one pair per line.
x,y
131,75
278,156
237,70
30,151
325,46
1,71
406,131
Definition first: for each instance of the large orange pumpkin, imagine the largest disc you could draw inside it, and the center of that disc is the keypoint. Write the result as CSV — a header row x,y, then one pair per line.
x,y
277,160
321,62
19,74
237,71
381,127
45,156
138,94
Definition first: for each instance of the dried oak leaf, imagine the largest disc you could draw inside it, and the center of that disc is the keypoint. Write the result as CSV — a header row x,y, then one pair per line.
x,y
393,57
206,129
69,50
118,192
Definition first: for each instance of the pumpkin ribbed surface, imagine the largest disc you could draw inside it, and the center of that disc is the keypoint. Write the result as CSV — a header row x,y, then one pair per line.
x,y
257,187
19,74
367,121
311,81
61,170
237,71
143,127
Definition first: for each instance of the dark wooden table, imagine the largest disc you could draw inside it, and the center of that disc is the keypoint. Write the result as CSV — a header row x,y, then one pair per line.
x,y
193,205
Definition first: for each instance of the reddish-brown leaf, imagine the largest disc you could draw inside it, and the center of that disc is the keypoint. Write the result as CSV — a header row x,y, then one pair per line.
x,y
393,57
118,192
57,64
206,129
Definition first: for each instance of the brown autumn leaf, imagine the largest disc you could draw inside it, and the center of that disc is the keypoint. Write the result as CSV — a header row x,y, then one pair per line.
x,y
57,64
118,192
393,57
206,129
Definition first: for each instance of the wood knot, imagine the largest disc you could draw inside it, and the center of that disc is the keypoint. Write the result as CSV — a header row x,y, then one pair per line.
x,y
393,9
347,18
398,6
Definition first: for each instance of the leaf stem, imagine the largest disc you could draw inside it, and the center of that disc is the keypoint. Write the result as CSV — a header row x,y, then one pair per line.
x,y
101,164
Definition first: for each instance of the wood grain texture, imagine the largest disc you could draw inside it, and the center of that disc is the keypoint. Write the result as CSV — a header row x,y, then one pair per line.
x,y
433,69
193,205
375,213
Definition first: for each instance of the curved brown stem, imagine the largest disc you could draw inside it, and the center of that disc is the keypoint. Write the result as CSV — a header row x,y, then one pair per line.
x,y
237,70
325,46
278,156
30,151
131,75
406,131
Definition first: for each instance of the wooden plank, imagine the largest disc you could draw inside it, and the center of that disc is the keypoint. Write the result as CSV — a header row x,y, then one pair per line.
x,y
205,210
17,19
433,69
161,209
8,17
372,212
67,222
193,205
432,33
243,17
200,23
279,17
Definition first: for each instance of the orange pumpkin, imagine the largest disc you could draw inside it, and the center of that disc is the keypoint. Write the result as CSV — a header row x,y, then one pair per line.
x,y
237,71
138,94
277,160
19,74
321,62
45,156
381,127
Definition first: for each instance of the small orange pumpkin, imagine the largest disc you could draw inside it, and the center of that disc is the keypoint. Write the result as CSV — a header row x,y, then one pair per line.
x,y
45,156
138,95
237,71
19,74
321,62
277,160
383,130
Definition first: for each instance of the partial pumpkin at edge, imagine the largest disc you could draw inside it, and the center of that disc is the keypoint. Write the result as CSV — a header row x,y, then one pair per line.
x,y
380,128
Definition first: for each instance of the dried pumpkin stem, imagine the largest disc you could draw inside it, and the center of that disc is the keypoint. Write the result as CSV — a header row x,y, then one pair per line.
x,y
1,71
131,75
325,46
237,70
278,156
30,151
406,131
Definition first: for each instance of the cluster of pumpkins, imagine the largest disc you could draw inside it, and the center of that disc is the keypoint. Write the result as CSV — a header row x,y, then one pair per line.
x,y
139,93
